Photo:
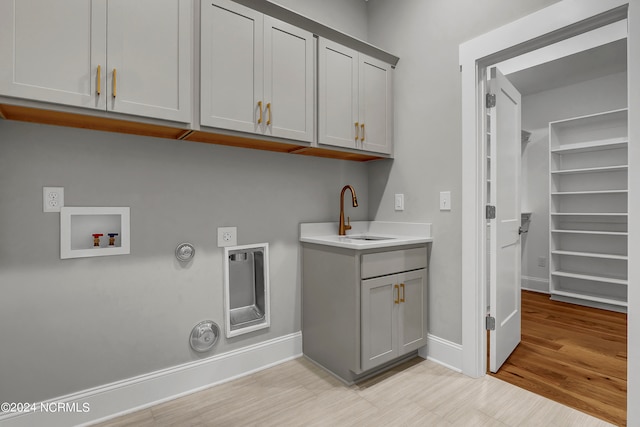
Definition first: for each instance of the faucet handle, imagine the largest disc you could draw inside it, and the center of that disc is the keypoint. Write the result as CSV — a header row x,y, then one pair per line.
x,y
348,226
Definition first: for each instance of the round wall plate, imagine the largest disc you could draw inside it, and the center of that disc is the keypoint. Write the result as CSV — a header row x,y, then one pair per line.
x,y
204,336
185,251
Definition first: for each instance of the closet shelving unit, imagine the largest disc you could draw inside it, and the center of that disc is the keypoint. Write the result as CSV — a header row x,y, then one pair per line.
x,y
588,192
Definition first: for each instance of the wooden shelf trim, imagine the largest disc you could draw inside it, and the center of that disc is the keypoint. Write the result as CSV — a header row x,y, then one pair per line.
x,y
61,118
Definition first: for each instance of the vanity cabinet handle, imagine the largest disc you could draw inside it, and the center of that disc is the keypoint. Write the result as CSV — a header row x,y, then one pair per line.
x,y
396,291
357,131
402,288
99,81
269,111
260,109
362,136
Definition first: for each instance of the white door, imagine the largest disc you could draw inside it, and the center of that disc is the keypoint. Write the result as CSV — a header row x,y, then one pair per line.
x,y
338,95
376,114
231,62
151,58
51,50
504,256
288,81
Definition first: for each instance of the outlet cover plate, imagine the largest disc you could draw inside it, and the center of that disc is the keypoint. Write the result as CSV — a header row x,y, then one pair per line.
x,y
398,203
227,236
52,199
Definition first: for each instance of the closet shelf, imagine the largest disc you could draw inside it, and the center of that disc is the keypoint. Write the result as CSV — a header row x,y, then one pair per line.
x,y
590,297
577,193
621,214
616,168
602,233
581,147
590,277
590,255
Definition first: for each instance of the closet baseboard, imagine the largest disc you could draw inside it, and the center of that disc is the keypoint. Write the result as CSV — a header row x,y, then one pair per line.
x,y
534,284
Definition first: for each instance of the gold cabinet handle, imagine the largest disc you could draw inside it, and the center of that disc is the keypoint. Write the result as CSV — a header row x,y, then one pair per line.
x,y
99,81
260,108
115,82
269,111
396,291
357,130
402,288
362,136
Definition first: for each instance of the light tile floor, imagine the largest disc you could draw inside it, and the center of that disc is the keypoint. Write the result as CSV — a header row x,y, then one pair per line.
x,y
418,393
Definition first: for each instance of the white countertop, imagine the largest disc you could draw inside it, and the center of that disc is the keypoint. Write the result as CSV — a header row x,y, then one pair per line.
x,y
394,234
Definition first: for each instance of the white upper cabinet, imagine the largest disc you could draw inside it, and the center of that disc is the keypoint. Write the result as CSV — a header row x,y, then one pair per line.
x,y
50,51
355,99
256,73
57,52
149,58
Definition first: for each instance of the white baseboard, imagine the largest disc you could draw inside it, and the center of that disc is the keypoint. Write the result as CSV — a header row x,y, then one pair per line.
x,y
443,352
132,394
534,284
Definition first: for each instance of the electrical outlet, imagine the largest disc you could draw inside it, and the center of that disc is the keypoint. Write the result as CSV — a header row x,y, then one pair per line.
x,y
227,236
542,261
52,199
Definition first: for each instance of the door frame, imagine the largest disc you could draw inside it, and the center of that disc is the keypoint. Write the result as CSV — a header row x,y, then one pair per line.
x,y
559,21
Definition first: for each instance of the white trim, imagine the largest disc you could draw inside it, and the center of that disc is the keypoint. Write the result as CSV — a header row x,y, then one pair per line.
x,y
535,284
509,39
443,352
598,37
122,397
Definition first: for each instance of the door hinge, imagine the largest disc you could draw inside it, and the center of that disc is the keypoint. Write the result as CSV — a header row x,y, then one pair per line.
x,y
490,323
491,212
491,100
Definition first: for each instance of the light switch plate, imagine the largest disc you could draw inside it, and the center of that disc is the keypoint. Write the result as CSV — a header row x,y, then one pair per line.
x,y
445,200
399,202
52,199
227,236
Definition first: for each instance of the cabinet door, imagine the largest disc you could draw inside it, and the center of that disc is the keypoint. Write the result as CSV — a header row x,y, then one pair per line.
x,y
378,324
231,64
288,81
375,108
149,47
412,325
50,51
337,95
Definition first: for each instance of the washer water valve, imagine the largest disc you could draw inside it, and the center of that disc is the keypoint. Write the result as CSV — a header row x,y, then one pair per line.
x,y
112,238
96,240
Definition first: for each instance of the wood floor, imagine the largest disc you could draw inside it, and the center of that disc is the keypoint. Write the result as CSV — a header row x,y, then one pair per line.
x,y
572,354
417,393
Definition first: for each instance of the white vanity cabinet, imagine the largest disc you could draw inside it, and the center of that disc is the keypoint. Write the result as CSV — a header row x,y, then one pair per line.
x,y
256,73
363,309
393,319
355,99
99,54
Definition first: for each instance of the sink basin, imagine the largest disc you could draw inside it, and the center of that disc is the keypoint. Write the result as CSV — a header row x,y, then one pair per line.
x,y
368,238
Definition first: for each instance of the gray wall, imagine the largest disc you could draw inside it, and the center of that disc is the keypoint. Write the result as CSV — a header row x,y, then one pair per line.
x,y
348,16
425,34
538,109
67,325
